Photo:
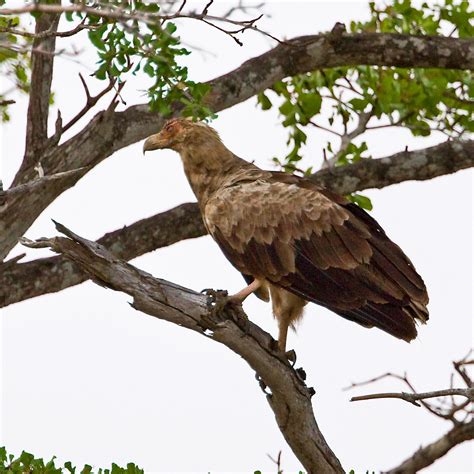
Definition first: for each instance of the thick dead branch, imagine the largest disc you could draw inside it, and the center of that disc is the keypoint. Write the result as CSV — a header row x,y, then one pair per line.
x,y
41,77
48,275
432,452
289,397
27,280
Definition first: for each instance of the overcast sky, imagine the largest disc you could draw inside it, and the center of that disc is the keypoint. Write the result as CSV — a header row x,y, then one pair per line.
x,y
88,379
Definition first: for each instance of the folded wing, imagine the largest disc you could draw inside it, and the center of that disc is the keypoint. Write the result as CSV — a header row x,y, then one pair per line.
x,y
320,247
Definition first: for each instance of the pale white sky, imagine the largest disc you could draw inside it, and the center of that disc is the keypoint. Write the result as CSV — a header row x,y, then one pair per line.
x,y
90,380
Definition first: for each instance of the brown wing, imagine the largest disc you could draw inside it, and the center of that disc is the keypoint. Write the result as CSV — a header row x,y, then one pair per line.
x,y
317,245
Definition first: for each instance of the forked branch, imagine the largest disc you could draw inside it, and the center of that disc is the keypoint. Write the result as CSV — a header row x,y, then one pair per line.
x,y
448,408
90,101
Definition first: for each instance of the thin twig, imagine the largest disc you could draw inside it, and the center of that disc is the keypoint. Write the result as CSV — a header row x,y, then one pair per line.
x,y
321,127
90,102
123,15
46,34
414,397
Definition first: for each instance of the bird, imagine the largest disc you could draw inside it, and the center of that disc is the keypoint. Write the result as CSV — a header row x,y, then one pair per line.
x,y
295,241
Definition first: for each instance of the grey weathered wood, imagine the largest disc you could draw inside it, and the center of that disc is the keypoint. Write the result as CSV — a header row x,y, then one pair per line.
x,y
286,392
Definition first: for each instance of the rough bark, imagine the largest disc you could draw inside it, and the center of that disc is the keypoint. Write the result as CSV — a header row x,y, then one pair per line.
x,y
418,165
42,59
48,275
110,131
286,392
426,456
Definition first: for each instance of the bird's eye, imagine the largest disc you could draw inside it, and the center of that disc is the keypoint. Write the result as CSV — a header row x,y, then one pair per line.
x,y
169,127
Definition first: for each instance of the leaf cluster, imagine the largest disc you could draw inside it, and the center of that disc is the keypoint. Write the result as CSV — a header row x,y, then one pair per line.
x,y
140,41
27,462
348,102
129,37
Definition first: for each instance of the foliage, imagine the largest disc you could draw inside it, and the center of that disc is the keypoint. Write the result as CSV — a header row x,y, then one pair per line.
x,y
26,462
422,100
128,37
140,42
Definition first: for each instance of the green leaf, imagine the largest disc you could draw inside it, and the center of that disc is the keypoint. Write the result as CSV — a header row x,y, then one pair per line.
x,y
362,201
68,466
96,39
26,459
264,101
310,103
287,108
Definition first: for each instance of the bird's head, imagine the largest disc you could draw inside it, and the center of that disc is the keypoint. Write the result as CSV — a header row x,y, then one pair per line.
x,y
181,133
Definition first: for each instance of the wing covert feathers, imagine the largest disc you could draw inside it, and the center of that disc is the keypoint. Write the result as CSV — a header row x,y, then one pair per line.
x,y
320,247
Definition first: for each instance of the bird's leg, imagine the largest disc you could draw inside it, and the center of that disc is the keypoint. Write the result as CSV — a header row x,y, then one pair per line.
x,y
283,325
240,296
282,334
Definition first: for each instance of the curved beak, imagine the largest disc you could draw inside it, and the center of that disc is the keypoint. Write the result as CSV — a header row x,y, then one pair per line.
x,y
154,142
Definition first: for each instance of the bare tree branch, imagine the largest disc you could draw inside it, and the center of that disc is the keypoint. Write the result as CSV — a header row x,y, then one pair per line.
x,y
45,34
25,200
348,137
447,409
124,15
48,275
288,395
90,103
459,367
432,452
419,165
463,425
414,397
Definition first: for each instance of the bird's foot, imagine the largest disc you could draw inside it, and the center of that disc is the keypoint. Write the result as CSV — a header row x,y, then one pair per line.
x,y
263,385
300,372
291,356
216,300
221,307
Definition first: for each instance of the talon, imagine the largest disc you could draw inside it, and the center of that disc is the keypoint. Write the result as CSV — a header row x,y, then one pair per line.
x,y
216,299
274,346
262,384
301,374
291,356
